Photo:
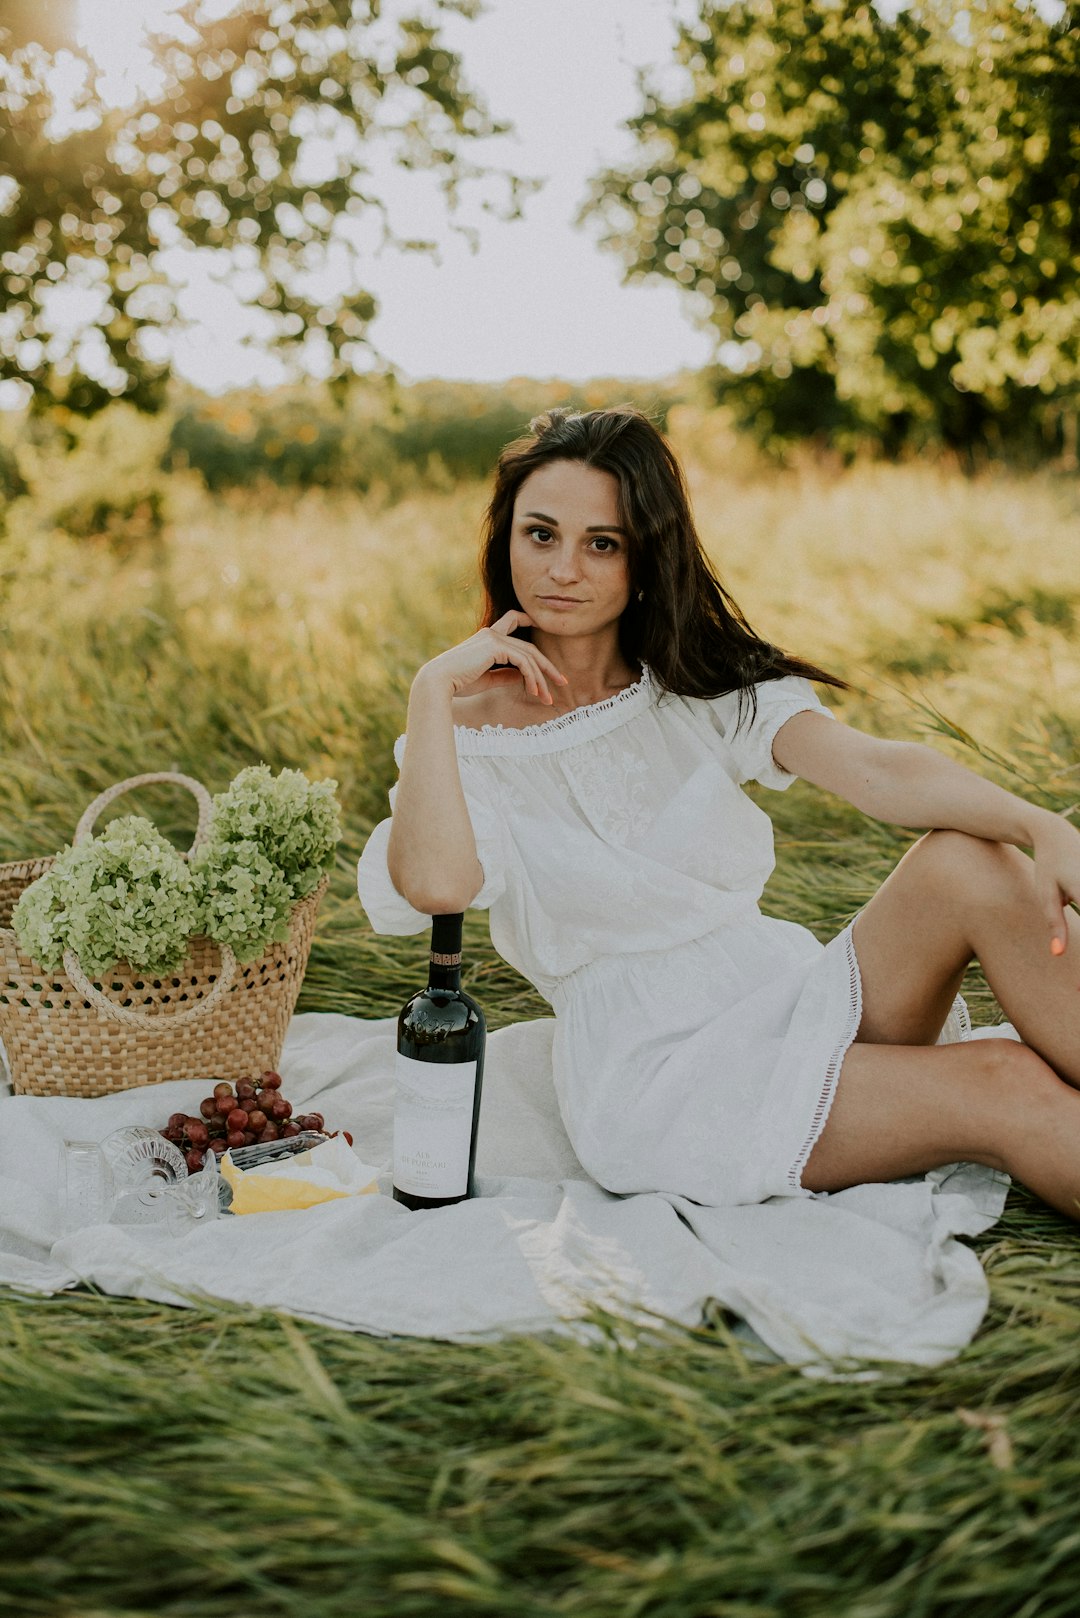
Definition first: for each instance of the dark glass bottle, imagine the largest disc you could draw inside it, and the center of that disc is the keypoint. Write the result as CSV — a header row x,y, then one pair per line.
x,y
437,1077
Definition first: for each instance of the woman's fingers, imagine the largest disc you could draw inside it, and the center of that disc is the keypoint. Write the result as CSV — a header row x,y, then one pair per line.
x,y
513,619
1056,847
493,652
1059,943
519,655
551,670
534,680
536,669
516,619
543,668
1057,907
1053,912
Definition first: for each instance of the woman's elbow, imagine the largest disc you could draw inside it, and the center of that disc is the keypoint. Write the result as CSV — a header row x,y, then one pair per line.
x,y
441,904
443,898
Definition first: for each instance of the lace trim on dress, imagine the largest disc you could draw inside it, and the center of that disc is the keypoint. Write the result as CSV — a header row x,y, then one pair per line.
x,y
960,1011
567,730
957,1025
832,1072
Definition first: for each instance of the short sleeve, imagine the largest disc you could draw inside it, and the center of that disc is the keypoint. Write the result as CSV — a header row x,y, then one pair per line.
x,y
387,909
751,739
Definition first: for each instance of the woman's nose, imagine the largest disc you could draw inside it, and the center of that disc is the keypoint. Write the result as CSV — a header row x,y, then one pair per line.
x,y
565,567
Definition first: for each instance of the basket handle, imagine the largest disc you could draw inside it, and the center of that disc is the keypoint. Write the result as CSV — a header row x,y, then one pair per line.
x,y
134,1018
85,828
129,1015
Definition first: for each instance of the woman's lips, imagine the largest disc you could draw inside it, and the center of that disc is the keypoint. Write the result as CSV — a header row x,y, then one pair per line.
x,y
561,601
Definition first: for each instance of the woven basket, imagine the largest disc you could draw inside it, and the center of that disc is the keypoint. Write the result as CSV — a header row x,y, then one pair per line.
x,y
68,1035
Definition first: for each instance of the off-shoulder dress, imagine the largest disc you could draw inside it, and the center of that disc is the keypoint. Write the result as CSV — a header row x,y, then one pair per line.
x,y
698,1043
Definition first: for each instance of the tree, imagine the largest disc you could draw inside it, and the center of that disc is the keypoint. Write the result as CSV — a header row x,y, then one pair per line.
x,y
254,146
879,219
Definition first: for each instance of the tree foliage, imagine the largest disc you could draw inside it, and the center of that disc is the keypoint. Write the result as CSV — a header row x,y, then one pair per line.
x,y
255,146
879,219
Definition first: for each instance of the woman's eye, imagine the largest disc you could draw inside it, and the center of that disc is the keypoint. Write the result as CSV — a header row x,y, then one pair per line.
x,y
542,535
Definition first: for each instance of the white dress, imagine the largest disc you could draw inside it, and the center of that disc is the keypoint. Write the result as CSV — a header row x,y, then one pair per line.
x,y
698,1042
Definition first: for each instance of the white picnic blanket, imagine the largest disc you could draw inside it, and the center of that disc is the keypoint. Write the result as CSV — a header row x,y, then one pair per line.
x,y
874,1272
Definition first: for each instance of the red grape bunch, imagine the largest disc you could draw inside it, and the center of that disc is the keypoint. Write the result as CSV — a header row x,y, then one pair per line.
x,y
254,1111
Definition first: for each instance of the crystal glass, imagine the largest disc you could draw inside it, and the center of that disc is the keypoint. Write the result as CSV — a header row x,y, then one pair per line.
x,y
194,1201
142,1163
86,1186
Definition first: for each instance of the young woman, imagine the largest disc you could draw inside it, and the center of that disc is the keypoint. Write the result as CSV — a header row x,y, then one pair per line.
x,y
576,767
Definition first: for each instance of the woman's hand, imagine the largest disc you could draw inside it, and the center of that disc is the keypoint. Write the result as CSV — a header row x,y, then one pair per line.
x,y
493,657
1056,849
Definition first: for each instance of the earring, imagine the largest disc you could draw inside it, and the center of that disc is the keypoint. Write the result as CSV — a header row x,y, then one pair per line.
x,y
641,595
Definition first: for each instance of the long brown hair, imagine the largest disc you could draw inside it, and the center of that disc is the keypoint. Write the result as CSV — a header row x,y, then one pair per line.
x,y
688,630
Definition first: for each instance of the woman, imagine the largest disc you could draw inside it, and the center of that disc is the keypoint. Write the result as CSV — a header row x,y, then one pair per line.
x,y
576,766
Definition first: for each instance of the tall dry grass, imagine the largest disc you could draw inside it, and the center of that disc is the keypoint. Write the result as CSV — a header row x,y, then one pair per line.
x,y
219,1464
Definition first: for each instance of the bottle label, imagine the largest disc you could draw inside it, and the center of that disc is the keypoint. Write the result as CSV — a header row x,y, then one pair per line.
x,y
433,1108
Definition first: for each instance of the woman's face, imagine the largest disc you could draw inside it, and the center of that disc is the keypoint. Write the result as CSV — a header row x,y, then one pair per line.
x,y
568,554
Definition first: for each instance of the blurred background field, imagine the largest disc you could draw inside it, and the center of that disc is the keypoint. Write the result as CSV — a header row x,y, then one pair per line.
x,y
158,615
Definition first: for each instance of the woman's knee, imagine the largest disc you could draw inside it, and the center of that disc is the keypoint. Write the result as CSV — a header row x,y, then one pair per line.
x,y
975,866
1011,1066
1026,1100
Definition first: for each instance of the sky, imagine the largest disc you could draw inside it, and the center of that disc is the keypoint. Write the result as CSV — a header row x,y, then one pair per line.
x,y
538,297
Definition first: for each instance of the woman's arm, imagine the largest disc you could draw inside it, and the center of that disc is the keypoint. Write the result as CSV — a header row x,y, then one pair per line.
x,y
910,784
431,853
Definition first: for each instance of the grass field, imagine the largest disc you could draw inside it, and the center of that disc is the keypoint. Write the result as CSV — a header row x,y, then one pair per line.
x,y
220,1464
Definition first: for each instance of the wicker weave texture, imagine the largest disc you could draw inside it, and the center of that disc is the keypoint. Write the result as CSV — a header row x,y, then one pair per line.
x,y
58,1044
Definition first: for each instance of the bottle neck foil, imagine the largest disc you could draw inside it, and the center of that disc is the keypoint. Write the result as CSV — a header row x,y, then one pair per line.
x,y
444,971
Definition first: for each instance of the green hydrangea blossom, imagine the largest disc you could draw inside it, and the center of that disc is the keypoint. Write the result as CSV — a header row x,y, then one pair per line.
x,y
271,838
294,822
128,895
247,900
125,895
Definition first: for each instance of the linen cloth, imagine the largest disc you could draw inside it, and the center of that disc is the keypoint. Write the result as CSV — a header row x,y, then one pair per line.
x,y
698,1042
875,1273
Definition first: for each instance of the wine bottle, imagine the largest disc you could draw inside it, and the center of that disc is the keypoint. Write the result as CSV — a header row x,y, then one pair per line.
x,y
438,1072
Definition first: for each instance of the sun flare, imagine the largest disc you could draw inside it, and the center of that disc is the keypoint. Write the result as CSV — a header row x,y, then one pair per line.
x,y
116,33
119,35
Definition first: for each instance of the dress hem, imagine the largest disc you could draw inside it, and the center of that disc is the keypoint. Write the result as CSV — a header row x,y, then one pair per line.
x,y
832,1071
958,1011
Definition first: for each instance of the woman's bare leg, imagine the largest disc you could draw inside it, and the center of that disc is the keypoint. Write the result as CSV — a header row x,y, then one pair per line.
x,y
903,1105
900,1110
950,899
